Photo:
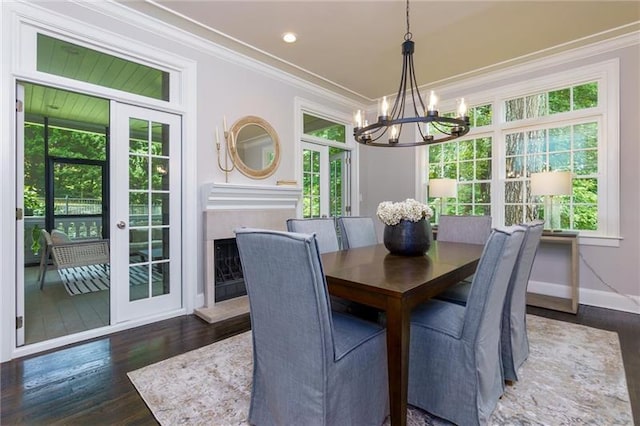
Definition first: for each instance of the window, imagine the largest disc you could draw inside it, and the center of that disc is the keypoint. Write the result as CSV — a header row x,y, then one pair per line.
x,y
469,161
561,122
70,60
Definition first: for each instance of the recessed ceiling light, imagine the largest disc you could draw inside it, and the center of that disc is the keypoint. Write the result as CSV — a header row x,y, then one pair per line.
x,y
289,37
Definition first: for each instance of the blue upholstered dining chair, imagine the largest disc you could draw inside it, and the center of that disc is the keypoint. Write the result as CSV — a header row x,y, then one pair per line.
x,y
312,366
514,341
323,227
327,237
455,368
357,231
464,229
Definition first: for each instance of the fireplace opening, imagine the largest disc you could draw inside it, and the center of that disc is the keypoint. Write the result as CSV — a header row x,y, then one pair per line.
x,y
229,281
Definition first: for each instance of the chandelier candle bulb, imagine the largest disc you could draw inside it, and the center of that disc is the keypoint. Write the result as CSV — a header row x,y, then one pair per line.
x,y
394,135
433,100
384,109
462,109
217,139
358,119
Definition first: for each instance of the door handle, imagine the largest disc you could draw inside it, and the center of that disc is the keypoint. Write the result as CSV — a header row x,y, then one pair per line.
x,y
121,225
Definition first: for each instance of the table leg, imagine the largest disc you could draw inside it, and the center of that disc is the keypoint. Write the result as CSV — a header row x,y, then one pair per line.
x,y
398,360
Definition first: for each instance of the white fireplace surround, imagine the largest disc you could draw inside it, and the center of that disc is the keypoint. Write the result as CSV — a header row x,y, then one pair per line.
x,y
228,207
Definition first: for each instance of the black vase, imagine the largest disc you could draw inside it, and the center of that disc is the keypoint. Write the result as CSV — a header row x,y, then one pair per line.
x,y
408,238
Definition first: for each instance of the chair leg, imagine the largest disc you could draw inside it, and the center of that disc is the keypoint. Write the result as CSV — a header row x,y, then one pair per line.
x,y
44,260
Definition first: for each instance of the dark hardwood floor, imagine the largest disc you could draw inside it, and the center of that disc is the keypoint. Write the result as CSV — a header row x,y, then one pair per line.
x,y
87,383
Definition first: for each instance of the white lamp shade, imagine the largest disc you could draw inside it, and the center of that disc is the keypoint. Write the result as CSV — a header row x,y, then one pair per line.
x,y
551,183
443,188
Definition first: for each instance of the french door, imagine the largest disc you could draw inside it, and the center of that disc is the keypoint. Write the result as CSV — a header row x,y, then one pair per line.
x,y
145,215
326,181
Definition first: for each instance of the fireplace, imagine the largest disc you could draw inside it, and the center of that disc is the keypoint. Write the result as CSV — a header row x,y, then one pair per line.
x,y
228,207
229,282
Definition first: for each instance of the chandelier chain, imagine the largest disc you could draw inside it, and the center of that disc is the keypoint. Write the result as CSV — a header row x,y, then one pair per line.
x,y
408,34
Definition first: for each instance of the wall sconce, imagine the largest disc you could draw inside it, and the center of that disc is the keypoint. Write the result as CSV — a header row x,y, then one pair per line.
x,y
550,184
226,134
443,189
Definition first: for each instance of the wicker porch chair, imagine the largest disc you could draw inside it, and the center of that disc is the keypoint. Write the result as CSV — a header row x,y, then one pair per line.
x,y
68,254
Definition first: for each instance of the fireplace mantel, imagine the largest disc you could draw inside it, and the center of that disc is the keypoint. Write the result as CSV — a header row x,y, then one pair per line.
x,y
227,207
224,196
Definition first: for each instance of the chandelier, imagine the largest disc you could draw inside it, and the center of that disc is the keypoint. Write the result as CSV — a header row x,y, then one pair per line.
x,y
432,127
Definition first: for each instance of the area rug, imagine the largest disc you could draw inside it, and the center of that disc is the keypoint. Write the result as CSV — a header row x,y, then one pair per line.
x,y
87,279
574,375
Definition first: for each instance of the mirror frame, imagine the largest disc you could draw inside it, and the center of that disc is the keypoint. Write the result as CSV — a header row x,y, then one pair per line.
x,y
235,157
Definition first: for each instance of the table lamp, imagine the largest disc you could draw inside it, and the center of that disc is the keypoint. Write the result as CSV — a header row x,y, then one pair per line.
x,y
443,188
550,184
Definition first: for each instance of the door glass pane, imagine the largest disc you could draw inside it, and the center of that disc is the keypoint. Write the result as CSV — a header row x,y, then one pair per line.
x,y
311,183
337,174
149,209
70,60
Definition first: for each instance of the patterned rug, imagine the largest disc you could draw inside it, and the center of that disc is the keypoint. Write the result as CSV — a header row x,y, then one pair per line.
x,y
574,375
87,279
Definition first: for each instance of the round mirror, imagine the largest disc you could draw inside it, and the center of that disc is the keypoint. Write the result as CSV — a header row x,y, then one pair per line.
x,y
255,148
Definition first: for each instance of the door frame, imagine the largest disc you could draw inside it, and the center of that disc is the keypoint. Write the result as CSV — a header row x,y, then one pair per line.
x,y
19,16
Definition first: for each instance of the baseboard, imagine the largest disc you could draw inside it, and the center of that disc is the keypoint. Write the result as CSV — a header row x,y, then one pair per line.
x,y
599,298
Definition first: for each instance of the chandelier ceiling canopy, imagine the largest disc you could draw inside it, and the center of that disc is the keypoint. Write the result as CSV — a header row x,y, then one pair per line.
x,y
432,127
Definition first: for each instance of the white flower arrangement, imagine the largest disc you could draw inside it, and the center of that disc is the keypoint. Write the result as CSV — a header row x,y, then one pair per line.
x,y
392,213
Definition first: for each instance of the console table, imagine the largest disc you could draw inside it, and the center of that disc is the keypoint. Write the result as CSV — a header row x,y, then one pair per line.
x,y
570,239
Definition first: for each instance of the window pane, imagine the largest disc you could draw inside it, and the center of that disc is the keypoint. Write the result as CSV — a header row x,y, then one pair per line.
x,y
585,135
70,60
513,191
465,193
585,217
559,101
482,192
466,170
585,96
515,144
560,139
585,162
435,153
450,152
514,109
483,170
483,115
536,105
483,148
560,161
322,128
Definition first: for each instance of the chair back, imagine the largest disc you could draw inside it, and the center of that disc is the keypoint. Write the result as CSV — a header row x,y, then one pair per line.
x,y
47,237
464,229
514,333
323,227
483,312
288,303
357,231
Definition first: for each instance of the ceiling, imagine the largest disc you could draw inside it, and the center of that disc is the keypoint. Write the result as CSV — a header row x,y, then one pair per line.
x,y
353,47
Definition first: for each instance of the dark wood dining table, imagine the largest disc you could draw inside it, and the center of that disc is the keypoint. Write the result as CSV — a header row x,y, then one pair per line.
x,y
396,284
